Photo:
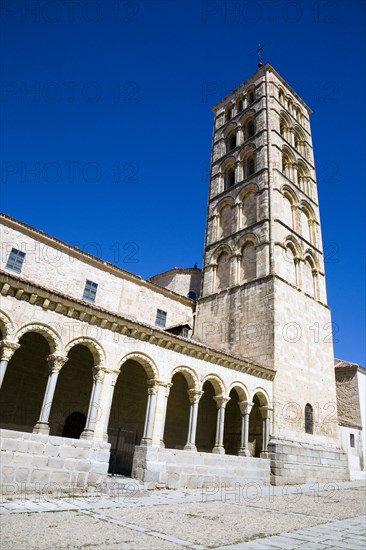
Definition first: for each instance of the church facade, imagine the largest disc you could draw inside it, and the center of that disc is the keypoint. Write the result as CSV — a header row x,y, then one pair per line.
x,y
224,375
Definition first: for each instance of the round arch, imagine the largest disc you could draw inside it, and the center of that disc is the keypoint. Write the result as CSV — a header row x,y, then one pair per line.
x,y
50,334
217,253
240,389
216,382
93,346
145,361
6,325
189,374
261,395
247,189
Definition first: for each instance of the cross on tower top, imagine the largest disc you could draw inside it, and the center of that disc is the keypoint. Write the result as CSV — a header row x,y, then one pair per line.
x,y
258,53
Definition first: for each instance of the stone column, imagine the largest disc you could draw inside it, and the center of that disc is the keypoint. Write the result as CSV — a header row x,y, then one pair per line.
x,y
92,417
265,412
194,397
109,406
245,408
7,351
55,363
165,406
239,136
221,402
150,412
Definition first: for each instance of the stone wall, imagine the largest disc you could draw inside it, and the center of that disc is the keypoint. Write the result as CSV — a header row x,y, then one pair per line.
x,y
348,395
56,464
175,469
295,463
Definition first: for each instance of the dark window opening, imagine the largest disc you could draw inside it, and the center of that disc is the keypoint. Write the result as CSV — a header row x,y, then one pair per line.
x,y
90,291
160,320
309,422
15,260
352,440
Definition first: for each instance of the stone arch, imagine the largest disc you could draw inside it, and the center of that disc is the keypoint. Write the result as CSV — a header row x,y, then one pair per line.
x,y
281,96
303,176
50,334
300,140
248,205
285,126
6,325
250,94
262,396
189,374
239,104
292,254
290,201
248,237
217,383
288,162
93,346
227,170
217,253
307,217
145,361
240,389
247,157
309,273
224,219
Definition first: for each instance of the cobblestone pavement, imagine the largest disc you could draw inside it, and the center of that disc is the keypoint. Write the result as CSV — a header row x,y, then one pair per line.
x,y
249,517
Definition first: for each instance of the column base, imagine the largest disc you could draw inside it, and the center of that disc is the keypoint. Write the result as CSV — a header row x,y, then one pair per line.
x,y
190,447
145,442
264,454
162,444
218,450
87,434
41,428
244,452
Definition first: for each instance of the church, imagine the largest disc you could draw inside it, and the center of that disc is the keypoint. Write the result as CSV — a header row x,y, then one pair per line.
x,y
222,375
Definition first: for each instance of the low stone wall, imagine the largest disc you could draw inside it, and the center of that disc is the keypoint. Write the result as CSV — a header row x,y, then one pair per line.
x,y
177,469
295,463
57,464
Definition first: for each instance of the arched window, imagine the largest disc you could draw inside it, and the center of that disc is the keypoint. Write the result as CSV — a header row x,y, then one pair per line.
x,y
308,277
287,164
249,210
300,142
285,128
248,262
239,105
288,217
309,419
225,219
302,177
281,97
248,164
250,97
290,264
228,113
229,177
249,129
306,225
231,142
223,271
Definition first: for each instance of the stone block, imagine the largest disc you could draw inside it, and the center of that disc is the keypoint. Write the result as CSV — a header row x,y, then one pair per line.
x,y
40,476
73,452
56,463
22,475
10,444
60,477
7,474
99,468
51,450
40,461
36,447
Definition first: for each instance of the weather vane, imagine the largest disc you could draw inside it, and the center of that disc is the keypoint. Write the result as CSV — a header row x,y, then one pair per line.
x,y
258,53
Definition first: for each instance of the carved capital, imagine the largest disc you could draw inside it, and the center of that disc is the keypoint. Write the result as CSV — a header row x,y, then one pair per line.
x,y
56,362
265,411
221,401
7,349
98,374
194,395
245,407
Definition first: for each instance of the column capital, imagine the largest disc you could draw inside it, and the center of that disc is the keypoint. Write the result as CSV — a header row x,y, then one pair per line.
x,y
98,374
265,411
56,362
194,395
245,407
221,401
7,349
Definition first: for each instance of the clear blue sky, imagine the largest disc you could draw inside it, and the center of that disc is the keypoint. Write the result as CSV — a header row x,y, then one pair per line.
x,y
119,124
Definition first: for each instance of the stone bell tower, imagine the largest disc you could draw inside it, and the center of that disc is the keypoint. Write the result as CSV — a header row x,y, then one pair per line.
x,y
263,292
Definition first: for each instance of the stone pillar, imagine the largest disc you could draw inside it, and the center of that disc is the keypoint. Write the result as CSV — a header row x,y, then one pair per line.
x,y
98,375
245,408
239,136
238,174
55,363
221,402
150,412
265,412
194,397
109,406
7,351
165,406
